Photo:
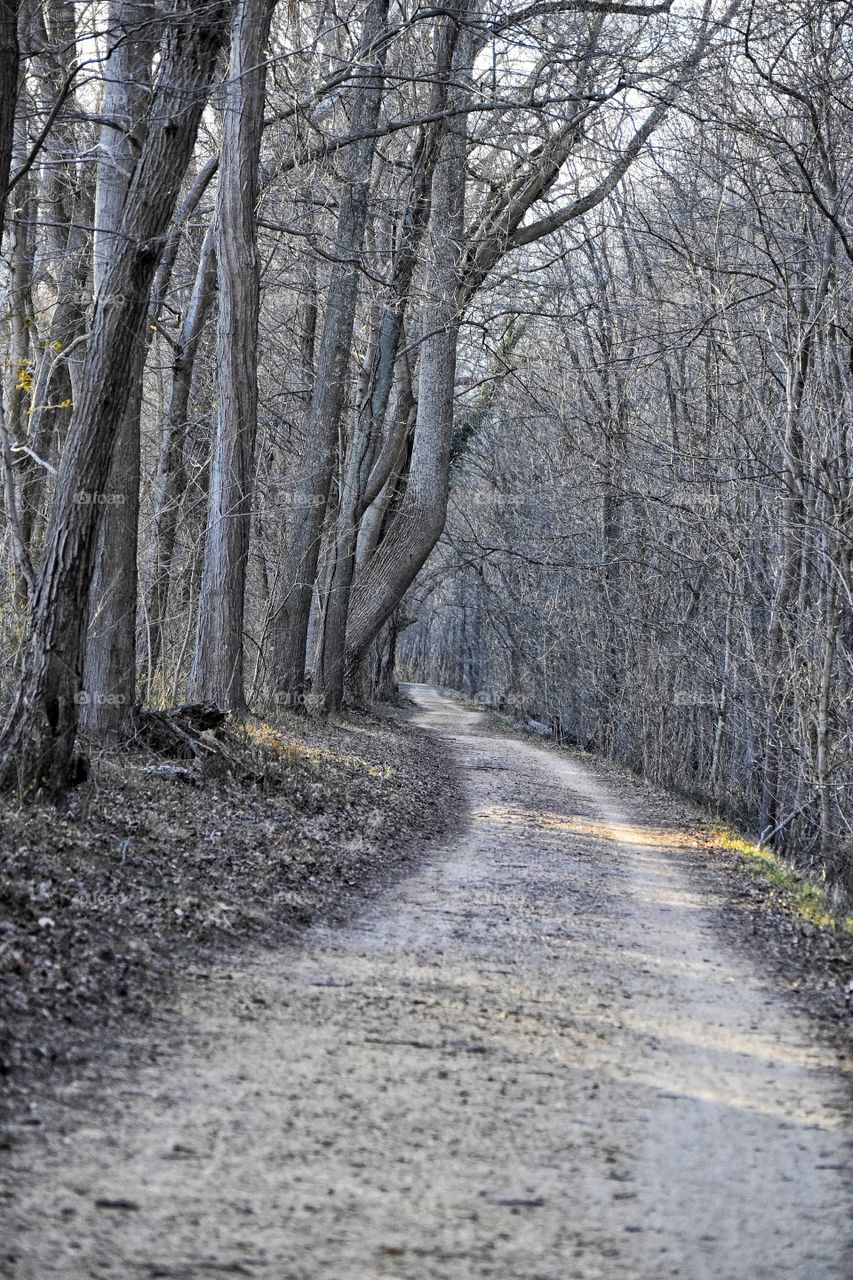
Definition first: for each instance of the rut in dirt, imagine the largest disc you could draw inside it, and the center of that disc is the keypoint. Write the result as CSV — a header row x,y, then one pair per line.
x,y
536,1058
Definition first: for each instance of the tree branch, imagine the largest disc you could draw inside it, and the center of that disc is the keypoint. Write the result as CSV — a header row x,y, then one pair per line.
x,y
559,218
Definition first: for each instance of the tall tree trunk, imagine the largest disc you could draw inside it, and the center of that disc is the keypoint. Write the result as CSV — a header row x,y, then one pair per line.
x,y
832,624
418,524
790,552
364,473
18,379
171,470
38,743
66,209
9,70
293,612
217,670
109,666
9,74
397,448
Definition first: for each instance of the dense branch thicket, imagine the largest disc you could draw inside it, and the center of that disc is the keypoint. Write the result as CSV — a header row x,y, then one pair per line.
x,y
286,284
649,545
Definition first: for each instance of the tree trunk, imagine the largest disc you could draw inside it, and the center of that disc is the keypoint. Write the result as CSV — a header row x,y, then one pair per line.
x,y
9,70
217,670
171,472
364,473
790,552
109,666
66,208
9,73
832,623
420,519
17,393
290,627
38,743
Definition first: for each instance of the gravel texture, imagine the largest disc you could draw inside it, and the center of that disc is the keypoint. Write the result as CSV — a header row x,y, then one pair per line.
x,y
536,1057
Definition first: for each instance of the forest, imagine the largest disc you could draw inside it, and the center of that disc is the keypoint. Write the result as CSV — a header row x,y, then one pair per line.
x,y
426,639
503,346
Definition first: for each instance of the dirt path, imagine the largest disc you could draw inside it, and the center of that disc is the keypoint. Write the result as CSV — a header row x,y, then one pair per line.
x,y
535,1059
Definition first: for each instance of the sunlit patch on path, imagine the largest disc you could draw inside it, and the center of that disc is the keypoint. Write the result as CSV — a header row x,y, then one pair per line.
x,y
535,1059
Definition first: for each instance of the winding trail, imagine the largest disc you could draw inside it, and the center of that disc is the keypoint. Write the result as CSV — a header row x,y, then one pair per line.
x,y
534,1059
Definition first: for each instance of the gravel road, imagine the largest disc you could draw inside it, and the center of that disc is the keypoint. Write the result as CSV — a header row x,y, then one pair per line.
x,y
537,1058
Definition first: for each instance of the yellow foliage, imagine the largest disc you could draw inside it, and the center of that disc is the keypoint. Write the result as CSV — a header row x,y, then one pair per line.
x,y
264,735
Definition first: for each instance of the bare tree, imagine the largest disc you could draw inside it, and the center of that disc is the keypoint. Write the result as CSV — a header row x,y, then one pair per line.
x,y
311,486
109,668
217,672
420,518
38,743
171,480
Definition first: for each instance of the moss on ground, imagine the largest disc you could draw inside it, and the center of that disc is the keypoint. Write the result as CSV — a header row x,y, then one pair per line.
x,y
810,900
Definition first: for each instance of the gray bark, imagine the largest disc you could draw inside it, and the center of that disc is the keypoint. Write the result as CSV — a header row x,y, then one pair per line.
x,y
217,669
420,519
9,75
66,203
171,471
9,70
38,742
109,668
18,390
291,621
367,466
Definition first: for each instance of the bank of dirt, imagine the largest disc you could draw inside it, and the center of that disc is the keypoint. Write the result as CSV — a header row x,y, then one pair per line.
x,y
106,899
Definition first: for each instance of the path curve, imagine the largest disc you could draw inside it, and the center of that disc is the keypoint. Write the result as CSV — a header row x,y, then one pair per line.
x,y
534,1059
